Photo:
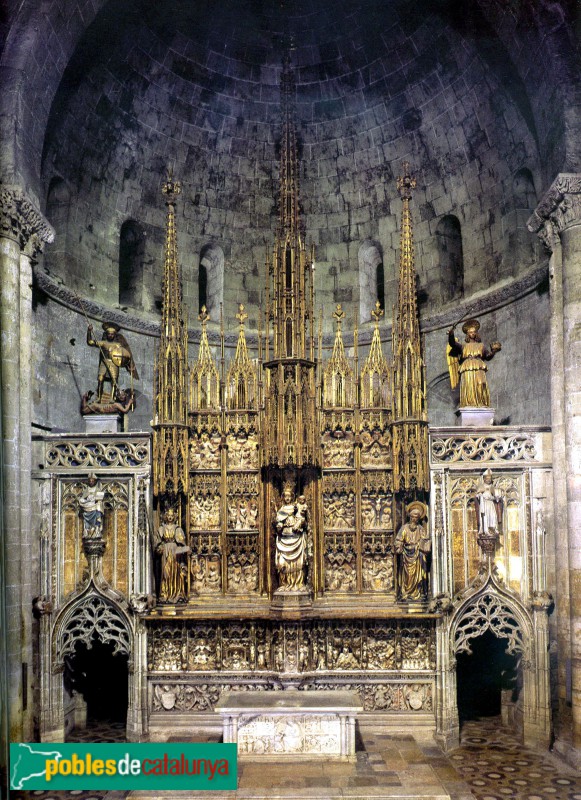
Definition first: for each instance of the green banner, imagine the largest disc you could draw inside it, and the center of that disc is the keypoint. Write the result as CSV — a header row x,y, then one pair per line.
x,y
123,766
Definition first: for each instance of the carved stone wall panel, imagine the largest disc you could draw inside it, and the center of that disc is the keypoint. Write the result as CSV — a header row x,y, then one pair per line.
x,y
299,734
331,647
242,563
377,562
340,562
338,509
205,450
242,450
499,447
87,454
376,448
338,448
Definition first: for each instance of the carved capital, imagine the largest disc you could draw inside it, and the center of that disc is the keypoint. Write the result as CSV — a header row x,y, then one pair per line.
x,y
22,222
559,208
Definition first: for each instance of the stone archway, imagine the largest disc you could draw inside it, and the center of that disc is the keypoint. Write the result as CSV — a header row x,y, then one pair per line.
x,y
90,619
493,609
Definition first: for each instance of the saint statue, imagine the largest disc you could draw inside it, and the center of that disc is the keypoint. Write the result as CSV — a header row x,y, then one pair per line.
x,y
489,505
91,503
412,546
114,352
171,549
292,528
467,364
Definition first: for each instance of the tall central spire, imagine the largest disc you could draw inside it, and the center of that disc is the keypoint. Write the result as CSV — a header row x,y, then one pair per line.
x,y
410,425
290,378
289,215
170,424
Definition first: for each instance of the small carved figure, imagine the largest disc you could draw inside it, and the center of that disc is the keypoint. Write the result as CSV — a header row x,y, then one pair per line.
x,y
171,548
292,526
125,402
489,505
114,353
91,503
467,364
412,546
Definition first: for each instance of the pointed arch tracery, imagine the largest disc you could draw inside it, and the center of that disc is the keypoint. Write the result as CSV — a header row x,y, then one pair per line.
x,y
93,618
487,612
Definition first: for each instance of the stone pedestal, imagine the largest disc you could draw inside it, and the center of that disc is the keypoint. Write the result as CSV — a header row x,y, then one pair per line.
x,y
103,423
291,724
473,417
291,602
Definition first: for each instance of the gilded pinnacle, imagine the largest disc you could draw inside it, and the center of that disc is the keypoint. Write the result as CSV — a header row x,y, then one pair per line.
x,y
405,182
338,314
242,316
377,312
203,316
171,188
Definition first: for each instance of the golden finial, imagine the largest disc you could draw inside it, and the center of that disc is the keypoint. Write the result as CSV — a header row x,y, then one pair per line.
x,y
203,316
377,312
241,316
338,314
171,188
406,182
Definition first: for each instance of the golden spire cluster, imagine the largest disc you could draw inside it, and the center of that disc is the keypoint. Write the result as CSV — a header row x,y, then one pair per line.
x,y
241,383
170,423
375,388
204,378
410,426
338,383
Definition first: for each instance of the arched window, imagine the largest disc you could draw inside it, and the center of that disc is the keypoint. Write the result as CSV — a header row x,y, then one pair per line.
x,y
371,278
131,253
450,258
57,204
211,279
523,187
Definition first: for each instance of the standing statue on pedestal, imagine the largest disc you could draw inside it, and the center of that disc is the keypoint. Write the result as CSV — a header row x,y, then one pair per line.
x,y
114,353
91,503
489,506
171,550
467,364
412,547
292,530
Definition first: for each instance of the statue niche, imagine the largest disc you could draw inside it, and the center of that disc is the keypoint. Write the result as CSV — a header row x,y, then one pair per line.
x,y
292,529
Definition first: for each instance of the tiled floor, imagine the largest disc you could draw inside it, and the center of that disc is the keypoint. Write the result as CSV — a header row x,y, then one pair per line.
x,y
490,764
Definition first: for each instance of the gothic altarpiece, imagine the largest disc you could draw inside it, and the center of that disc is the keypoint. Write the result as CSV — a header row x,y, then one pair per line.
x,y
256,541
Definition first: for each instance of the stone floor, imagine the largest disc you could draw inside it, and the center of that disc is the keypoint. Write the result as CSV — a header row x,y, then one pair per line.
x,y
490,764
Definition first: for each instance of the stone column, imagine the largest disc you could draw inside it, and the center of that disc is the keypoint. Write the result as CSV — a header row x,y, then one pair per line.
x,y
557,220
23,232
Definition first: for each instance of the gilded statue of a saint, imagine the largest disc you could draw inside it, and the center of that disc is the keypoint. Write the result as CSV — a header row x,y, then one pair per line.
x,y
114,353
171,550
467,364
291,529
412,546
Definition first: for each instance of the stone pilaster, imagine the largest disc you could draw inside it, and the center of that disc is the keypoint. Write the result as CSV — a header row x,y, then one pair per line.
x,y
23,233
557,221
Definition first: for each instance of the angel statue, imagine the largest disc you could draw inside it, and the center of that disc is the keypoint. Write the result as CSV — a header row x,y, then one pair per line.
x,y
467,364
114,353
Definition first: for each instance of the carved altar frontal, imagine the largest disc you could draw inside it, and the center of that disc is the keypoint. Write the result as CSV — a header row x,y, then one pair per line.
x,y
291,724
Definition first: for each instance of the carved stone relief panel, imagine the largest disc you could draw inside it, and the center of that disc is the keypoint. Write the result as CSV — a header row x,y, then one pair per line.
x,y
304,735
291,647
166,648
243,506
339,510
338,448
203,647
206,576
412,696
340,562
242,449
377,562
375,446
205,449
242,562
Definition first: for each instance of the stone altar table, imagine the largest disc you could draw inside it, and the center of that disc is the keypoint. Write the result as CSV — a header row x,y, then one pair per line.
x,y
291,723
